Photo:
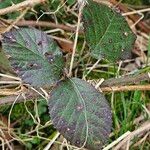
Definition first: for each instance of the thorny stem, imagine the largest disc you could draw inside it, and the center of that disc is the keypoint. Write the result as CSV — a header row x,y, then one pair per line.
x,y
106,86
126,80
10,99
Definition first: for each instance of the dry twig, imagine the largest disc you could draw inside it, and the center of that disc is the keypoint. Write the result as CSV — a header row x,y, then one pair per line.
x,y
109,85
9,92
126,88
31,95
136,11
126,80
117,141
135,133
76,39
27,3
10,99
19,18
41,24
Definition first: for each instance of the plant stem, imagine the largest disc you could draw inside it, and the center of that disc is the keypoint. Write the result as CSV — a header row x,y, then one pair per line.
x,y
76,39
41,24
126,88
126,80
109,85
9,99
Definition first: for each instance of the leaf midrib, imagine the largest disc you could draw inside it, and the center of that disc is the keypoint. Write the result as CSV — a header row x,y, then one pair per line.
x,y
106,30
82,101
38,54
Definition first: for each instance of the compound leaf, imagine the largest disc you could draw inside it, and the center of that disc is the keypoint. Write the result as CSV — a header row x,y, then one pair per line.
x,y
80,113
107,32
34,56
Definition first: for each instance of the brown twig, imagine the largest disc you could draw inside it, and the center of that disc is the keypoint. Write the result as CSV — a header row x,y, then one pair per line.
x,y
109,85
27,3
42,24
18,18
126,80
31,95
135,133
126,88
10,99
8,92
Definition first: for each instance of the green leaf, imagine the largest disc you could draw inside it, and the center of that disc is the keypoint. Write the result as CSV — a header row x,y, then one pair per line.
x,y
107,32
6,3
71,2
4,63
34,56
80,113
